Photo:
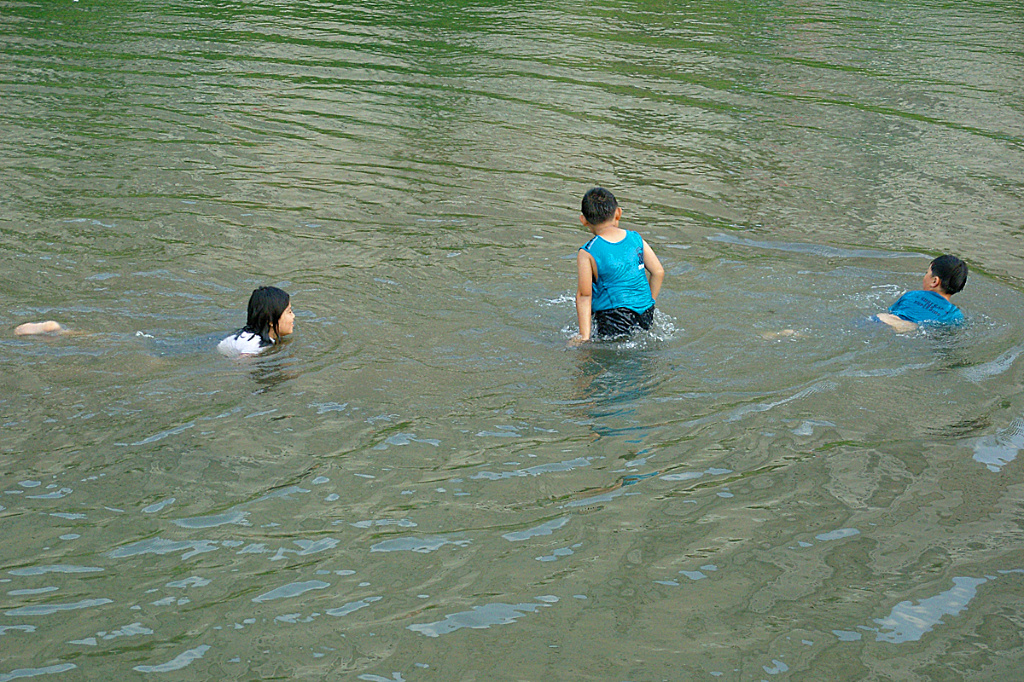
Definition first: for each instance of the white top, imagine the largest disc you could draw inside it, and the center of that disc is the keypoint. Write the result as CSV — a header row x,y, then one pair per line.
x,y
245,343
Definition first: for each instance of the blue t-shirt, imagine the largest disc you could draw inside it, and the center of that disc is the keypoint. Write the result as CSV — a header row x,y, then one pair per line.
x,y
926,306
621,278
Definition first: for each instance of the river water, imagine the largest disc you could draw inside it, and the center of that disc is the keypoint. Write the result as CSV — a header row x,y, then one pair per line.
x,y
424,483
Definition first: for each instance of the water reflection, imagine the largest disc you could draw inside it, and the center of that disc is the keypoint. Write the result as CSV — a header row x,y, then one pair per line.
x,y
182,660
482,617
271,369
442,463
612,379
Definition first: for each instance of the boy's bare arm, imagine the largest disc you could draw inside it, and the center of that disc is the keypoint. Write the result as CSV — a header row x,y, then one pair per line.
x,y
584,293
655,272
897,323
29,328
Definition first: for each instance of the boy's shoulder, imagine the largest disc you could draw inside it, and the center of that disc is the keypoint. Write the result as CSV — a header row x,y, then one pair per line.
x,y
929,298
922,306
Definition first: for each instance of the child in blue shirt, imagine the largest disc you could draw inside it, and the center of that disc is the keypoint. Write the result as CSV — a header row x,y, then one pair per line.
x,y
618,277
946,276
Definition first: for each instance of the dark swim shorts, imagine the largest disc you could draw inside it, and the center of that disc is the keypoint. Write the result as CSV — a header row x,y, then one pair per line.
x,y
622,321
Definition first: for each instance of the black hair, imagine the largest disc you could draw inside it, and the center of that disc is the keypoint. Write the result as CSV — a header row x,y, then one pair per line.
x,y
598,205
952,273
266,305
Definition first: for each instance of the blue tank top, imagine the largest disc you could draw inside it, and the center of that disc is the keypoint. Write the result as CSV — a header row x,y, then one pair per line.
x,y
926,306
621,278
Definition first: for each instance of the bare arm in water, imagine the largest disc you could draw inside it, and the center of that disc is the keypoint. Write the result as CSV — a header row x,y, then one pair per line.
x,y
897,323
30,328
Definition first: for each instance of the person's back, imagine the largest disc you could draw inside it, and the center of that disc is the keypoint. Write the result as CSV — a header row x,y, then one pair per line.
x,y
931,304
622,280
921,307
618,274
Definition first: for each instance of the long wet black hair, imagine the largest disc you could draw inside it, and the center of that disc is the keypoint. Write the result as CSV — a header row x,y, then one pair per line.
x,y
266,305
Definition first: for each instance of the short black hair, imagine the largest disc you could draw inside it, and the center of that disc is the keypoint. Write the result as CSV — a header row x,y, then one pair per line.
x,y
952,273
598,205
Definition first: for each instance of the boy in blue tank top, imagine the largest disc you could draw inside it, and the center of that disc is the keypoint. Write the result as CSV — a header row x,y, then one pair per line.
x,y
618,277
946,276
